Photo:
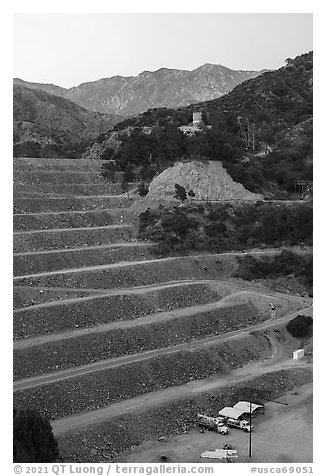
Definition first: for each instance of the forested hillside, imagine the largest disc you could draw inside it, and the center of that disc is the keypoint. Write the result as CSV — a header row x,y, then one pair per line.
x,y
261,132
46,125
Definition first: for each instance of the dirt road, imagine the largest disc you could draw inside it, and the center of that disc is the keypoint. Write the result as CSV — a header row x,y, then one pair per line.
x,y
98,292
282,435
154,399
117,245
60,230
131,263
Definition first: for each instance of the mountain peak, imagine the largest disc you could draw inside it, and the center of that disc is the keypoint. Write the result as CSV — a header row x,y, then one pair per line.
x,y
165,87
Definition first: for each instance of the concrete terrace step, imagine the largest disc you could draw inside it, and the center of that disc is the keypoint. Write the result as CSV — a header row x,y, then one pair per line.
x,y
42,240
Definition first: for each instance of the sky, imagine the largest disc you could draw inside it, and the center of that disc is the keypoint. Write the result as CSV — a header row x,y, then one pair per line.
x,y
69,49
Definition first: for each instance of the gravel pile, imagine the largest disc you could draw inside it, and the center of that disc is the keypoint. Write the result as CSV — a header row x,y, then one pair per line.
x,y
107,440
65,316
209,181
117,342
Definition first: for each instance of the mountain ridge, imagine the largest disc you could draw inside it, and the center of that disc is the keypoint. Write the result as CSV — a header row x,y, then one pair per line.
x,y
47,123
261,132
165,87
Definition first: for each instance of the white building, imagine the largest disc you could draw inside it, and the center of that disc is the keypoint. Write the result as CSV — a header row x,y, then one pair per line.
x,y
298,354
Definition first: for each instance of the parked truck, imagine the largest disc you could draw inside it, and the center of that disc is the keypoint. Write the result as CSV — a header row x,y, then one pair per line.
x,y
242,424
211,423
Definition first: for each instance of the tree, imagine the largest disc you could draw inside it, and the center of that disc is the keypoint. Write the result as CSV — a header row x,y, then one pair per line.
x,y
124,186
34,441
128,174
148,172
108,171
213,229
107,153
142,190
191,194
180,193
300,326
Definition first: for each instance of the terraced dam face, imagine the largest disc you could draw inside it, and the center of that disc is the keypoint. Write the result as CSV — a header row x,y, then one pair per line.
x,y
113,344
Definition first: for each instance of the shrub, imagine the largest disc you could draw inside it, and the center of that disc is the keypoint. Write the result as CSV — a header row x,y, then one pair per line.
x,y
223,227
180,193
300,326
142,190
34,441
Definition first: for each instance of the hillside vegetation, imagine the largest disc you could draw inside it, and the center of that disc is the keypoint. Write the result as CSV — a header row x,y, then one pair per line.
x,y
261,132
285,264
46,125
220,227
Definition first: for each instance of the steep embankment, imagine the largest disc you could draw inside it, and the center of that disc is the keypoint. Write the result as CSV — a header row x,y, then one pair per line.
x,y
208,180
106,439
102,329
50,126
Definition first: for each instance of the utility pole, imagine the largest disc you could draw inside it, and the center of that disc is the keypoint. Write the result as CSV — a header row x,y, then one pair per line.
x,y
250,417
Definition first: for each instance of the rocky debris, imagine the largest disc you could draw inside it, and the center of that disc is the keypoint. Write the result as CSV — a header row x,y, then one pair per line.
x,y
122,307
72,238
209,181
179,268
138,378
88,256
169,418
66,203
27,297
80,350
107,441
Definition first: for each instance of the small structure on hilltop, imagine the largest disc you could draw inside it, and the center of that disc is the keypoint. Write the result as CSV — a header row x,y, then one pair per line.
x,y
197,119
197,122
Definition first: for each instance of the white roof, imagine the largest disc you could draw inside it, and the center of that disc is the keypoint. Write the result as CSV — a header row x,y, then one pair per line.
x,y
231,412
245,406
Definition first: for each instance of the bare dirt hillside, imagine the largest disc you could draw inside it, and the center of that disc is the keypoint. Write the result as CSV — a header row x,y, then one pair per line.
x,y
209,180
